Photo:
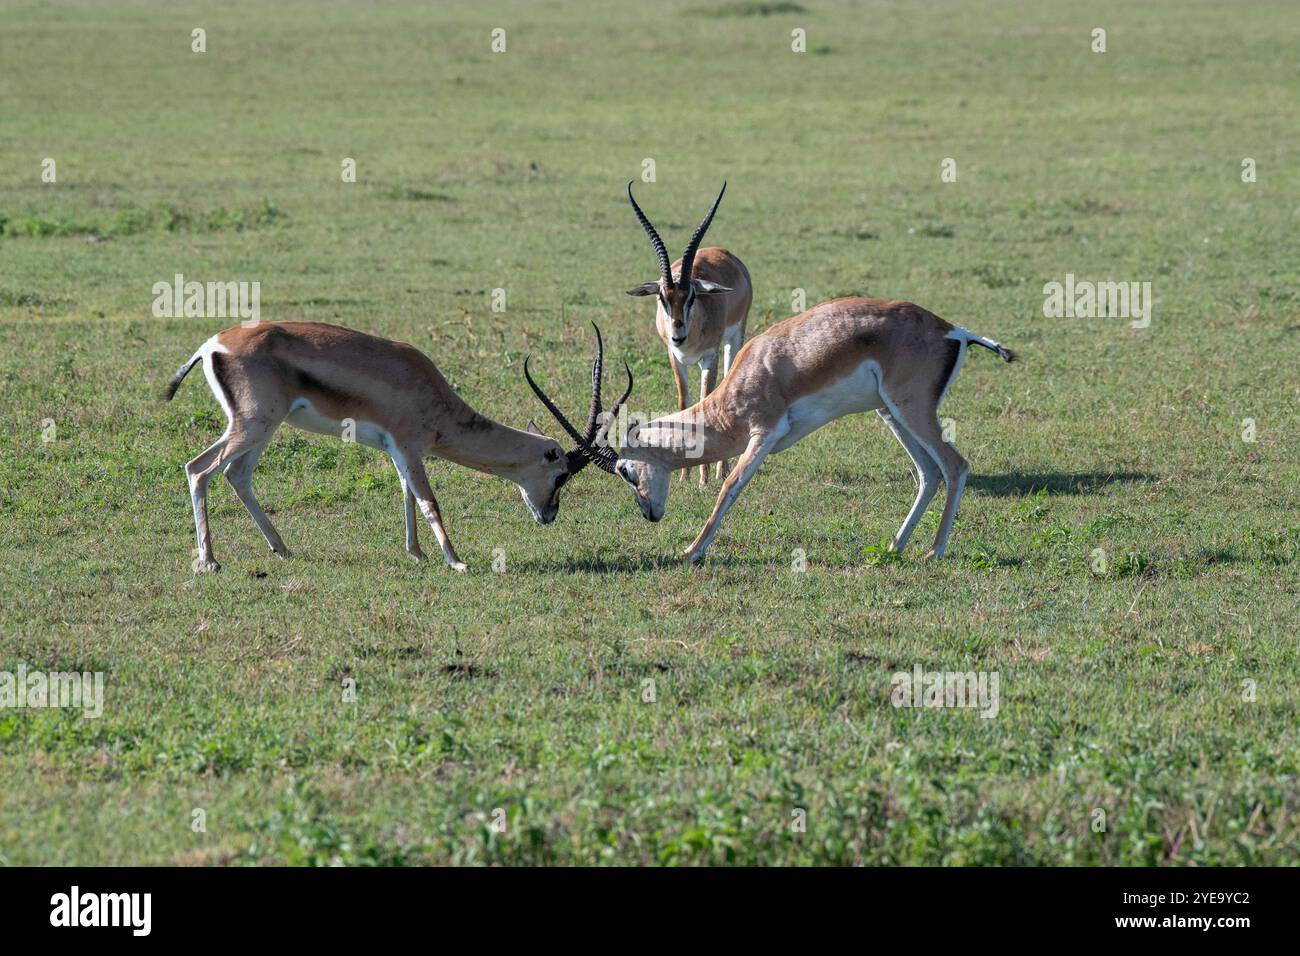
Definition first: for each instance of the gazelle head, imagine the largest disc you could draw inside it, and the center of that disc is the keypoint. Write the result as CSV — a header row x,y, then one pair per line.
x,y
540,476
676,298
589,447
648,478
637,464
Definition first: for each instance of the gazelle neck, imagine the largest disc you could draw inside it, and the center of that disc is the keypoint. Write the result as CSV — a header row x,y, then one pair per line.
x,y
700,435
478,442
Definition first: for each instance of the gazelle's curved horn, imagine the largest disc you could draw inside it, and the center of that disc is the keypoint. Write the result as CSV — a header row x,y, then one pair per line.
x,y
586,451
550,405
665,263
688,257
597,371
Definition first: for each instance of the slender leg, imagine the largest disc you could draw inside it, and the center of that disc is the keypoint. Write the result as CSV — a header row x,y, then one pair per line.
x,y
240,475
408,501
922,422
708,374
956,481
683,393
408,510
199,472
927,479
240,437
411,468
383,442
746,465
729,348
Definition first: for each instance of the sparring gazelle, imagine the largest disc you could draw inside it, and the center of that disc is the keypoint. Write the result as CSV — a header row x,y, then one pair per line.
x,y
326,378
703,304
840,357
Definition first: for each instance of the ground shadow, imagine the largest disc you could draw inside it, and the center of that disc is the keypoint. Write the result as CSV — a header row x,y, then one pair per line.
x,y
1056,483
638,565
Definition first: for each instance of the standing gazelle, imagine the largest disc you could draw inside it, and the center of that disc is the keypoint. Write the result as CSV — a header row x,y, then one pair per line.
x,y
703,304
326,378
843,356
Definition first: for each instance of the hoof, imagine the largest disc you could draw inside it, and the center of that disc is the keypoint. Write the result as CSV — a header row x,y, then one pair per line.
x,y
206,567
933,555
460,566
416,553
692,556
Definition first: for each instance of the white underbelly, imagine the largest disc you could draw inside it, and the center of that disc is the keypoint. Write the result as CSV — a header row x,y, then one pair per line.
x,y
859,391
302,414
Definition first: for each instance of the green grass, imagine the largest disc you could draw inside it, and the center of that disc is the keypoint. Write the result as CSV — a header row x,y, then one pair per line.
x,y
523,690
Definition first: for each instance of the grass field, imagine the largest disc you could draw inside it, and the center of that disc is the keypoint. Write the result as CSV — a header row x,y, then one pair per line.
x,y
1124,694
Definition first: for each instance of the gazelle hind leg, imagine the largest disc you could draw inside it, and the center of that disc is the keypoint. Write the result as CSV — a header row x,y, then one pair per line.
x,y
746,465
239,438
922,422
411,468
239,473
927,479
198,472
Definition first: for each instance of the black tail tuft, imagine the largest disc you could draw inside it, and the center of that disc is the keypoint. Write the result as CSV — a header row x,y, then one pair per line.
x,y
1004,353
170,391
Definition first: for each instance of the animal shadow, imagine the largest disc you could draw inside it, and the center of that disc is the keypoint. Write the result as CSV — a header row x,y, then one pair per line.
x,y
1056,483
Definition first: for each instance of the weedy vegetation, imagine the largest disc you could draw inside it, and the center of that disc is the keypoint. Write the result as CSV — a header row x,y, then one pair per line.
x,y
603,701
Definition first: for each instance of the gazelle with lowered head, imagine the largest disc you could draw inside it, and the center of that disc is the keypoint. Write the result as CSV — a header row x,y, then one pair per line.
x,y
840,357
703,303
324,378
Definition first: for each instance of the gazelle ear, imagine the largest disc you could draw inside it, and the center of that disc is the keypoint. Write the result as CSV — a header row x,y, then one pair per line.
x,y
646,288
705,287
532,428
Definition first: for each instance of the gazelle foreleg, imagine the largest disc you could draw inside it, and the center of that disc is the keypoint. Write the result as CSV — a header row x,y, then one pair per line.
x,y
408,508
383,442
731,343
683,392
708,377
760,446
410,466
927,478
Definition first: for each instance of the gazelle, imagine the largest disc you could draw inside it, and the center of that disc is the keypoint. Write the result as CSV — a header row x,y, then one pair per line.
x,y
703,304
324,378
840,357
